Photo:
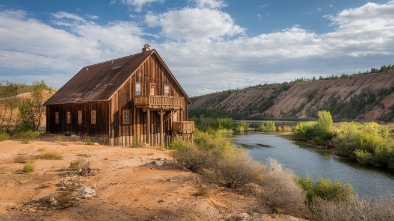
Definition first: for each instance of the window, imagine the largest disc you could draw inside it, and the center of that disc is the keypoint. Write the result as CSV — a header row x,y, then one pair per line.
x,y
79,117
175,117
166,90
93,117
152,88
126,116
68,117
138,88
56,117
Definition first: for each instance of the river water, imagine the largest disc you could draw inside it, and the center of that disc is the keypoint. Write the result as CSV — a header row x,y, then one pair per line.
x,y
366,181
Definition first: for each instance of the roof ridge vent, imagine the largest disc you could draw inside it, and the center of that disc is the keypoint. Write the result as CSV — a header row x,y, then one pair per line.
x,y
146,47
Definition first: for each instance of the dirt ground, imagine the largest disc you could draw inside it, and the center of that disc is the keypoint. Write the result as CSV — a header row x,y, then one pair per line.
x,y
124,184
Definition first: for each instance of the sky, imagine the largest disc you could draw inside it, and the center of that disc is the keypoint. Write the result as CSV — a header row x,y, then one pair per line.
x,y
209,45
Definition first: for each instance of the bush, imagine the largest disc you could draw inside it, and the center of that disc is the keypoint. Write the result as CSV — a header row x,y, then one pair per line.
x,y
22,158
326,190
242,127
49,156
81,166
368,143
3,136
28,167
319,131
281,190
237,168
268,127
88,141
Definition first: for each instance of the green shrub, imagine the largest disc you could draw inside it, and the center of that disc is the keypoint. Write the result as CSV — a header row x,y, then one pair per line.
x,y
305,131
225,123
28,167
88,141
242,127
368,143
326,189
268,127
3,136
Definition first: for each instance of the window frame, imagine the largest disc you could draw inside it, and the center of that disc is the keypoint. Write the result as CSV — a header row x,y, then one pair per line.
x,y
138,88
79,117
93,117
166,90
57,117
126,116
68,117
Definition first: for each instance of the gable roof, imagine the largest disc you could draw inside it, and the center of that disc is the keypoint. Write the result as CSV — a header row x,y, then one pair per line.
x,y
98,82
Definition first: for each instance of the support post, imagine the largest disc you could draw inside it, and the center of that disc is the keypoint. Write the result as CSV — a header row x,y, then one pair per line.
x,y
161,113
148,127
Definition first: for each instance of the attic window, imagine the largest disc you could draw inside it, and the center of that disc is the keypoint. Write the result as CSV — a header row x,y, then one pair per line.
x,y
166,90
116,67
137,88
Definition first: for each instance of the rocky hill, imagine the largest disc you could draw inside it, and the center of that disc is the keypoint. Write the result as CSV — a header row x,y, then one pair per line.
x,y
363,97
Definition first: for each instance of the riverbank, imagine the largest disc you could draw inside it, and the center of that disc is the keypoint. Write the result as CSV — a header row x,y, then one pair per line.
x,y
120,184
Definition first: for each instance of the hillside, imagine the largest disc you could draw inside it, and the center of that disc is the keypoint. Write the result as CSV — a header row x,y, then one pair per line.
x,y
364,97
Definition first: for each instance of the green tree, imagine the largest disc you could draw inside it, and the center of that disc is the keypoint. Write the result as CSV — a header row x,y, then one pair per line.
x,y
31,110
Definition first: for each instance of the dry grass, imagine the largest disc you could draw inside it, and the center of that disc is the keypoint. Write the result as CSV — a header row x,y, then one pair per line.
x,y
49,156
23,158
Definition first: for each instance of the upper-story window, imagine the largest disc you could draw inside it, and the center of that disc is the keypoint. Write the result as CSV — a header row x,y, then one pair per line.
x,y
166,90
137,88
152,89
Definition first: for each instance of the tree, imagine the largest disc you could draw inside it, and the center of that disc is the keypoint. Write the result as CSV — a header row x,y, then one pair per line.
x,y
8,104
31,110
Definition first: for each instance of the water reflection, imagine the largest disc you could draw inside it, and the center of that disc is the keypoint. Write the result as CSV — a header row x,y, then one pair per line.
x,y
366,181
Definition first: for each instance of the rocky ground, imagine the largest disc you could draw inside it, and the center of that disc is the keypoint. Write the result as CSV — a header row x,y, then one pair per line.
x,y
95,182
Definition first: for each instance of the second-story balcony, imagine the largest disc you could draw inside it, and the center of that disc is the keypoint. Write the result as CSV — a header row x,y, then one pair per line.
x,y
157,102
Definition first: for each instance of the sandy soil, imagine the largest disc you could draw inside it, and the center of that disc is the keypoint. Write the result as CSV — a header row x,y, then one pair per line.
x,y
130,183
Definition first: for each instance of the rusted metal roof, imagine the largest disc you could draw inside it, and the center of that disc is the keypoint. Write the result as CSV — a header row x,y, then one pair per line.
x,y
100,81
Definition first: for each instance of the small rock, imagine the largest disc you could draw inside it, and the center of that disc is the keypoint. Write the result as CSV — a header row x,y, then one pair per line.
x,y
87,192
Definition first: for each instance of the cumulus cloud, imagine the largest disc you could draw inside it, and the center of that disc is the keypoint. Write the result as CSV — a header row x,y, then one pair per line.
x,y
138,4
194,24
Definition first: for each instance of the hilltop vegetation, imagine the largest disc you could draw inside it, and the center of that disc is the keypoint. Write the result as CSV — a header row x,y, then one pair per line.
x,y
361,97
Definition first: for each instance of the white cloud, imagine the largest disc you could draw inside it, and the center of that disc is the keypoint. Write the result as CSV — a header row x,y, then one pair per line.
x,y
210,4
194,24
138,4
65,15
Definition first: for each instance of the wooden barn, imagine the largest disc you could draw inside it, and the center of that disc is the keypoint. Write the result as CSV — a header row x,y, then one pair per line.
x,y
125,101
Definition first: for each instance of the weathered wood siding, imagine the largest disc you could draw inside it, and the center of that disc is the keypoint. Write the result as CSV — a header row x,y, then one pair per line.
x,y
150,72
86,128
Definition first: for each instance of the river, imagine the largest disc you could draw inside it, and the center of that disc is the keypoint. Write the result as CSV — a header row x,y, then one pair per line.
x,y
366,181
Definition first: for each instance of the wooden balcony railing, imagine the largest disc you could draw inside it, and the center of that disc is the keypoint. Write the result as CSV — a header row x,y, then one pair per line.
x,y
183,127
159,102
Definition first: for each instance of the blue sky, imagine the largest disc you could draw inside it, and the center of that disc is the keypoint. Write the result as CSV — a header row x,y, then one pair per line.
x,y
209,45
